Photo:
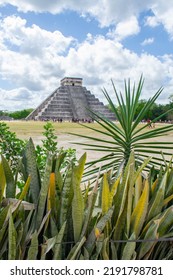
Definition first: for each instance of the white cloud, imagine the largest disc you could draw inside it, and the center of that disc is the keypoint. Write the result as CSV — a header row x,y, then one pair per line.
x,y
32,40
29,54
96,60
163,11
125,28
151,21
147,41
17,98
33,60
107,12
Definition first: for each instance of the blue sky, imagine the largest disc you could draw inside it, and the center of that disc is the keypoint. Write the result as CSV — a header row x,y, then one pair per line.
x,y
43,41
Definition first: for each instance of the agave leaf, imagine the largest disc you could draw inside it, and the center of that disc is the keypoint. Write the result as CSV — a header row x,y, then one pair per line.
x,y
130,195
119,229
100,226
150,234
154,185
66,196
75,250
27,229
29,161
113,251
33,248
51,193
4,215
2,181
122,191
58,181
105,195
78,201
169,188
86,254
59,161
10,185
91,205
137,190
129,248
11,239
3,233
25,189
99,246
44,192
44,222
47,246
58,243
167,200
114,189
141,168
157,203
166,221
105,249
140,211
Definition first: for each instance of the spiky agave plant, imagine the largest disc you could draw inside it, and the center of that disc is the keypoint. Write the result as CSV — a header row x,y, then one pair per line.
x,y
127,134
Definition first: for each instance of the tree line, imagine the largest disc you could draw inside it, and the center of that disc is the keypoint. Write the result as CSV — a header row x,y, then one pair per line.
x,y
156,110
16,115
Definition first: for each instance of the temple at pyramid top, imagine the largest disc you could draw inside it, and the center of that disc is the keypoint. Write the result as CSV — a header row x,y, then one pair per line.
x,y
70,102
69,81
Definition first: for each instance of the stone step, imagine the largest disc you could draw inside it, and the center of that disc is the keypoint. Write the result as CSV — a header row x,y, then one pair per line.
x,y
70,102
57,115
57,102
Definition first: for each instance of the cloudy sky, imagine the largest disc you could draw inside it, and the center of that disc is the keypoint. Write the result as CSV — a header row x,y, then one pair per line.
x,y
42,41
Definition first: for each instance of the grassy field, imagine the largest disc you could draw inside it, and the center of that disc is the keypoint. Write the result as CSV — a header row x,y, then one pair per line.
x,y
34,129
27,129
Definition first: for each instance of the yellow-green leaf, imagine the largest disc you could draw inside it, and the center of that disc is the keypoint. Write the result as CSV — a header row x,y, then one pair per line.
x,y
25,189
78,201
105,195
140,211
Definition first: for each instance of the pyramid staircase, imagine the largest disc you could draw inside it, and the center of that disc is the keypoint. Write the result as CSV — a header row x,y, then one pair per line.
x,y
70,102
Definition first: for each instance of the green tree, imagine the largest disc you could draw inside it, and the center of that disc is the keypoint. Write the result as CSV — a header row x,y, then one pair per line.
x,y
17,115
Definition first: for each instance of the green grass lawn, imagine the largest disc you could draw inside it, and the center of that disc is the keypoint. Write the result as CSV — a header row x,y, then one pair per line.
x,y
25,129
34,129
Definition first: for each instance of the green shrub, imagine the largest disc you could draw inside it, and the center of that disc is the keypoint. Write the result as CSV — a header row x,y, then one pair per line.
x,y
10,146
50,146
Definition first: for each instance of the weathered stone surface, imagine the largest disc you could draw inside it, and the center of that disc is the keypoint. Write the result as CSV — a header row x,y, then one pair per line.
x,y
70,101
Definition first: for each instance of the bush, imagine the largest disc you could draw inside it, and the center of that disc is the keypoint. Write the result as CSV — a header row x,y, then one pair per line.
x,y
12,148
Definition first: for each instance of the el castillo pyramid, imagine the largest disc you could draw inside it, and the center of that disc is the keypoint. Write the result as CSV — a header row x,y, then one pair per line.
x,y
69,102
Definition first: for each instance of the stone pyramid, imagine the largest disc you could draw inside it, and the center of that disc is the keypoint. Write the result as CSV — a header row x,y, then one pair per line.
x,y
70,102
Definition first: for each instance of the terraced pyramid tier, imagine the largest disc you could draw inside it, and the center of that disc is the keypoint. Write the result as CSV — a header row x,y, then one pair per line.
x,y
71,102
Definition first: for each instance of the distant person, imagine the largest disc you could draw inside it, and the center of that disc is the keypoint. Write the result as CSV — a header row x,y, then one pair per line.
x,y
149,123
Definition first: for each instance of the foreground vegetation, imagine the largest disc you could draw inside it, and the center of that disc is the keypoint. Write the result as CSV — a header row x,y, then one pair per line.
x,y
54,218
47,210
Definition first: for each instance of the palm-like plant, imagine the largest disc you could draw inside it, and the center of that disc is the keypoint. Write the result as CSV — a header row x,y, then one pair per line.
x,y
128,134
